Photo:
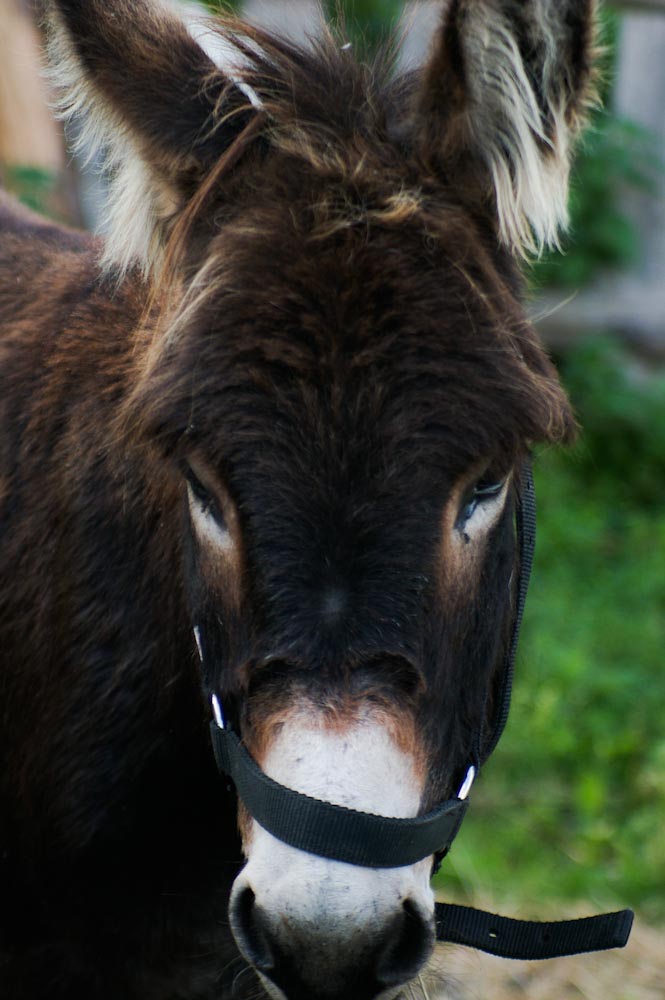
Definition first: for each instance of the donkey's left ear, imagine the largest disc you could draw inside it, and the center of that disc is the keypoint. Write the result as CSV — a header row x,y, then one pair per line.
x,y
506,91
160,99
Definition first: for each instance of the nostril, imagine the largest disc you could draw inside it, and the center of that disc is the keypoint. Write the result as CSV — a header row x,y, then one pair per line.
x,y
409,944
249,930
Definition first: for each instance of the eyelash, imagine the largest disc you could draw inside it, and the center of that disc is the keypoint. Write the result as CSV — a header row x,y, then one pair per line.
x,y
203,498
483,490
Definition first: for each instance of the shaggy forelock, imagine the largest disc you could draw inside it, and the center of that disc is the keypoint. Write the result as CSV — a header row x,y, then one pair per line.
x,y
411,337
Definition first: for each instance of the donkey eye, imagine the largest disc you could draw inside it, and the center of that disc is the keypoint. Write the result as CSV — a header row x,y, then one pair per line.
x,y
202,497
484,491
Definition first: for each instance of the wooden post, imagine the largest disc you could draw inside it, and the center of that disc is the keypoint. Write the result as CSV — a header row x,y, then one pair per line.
x,y
28,134
32,157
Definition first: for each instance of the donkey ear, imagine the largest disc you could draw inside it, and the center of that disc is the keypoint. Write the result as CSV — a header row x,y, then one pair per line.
x,y
145,94
506,90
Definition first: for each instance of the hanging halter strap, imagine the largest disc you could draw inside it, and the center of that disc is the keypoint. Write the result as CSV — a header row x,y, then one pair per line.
x,y
360,838
530,939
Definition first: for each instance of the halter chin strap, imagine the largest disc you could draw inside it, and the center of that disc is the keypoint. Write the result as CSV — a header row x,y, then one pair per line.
x,y
371,841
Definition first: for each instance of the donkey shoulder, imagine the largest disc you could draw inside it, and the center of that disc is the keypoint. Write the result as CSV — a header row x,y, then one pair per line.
x,y
51,283
20,222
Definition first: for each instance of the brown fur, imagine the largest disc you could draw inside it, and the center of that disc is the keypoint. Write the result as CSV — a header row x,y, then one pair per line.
x,y
313,300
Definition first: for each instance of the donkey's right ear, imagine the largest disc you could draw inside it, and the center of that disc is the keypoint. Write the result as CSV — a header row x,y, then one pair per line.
x,y
506,91
160,99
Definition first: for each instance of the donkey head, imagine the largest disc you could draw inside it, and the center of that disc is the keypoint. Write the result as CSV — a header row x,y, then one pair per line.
x,y
344,375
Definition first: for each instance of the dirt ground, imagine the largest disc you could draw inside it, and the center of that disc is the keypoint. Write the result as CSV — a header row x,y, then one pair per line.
x,y
636,972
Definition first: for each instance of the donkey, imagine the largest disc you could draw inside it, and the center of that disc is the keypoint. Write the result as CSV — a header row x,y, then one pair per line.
x,y
282,407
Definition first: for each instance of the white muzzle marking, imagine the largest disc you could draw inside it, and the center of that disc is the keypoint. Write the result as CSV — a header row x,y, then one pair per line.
x,y
362,768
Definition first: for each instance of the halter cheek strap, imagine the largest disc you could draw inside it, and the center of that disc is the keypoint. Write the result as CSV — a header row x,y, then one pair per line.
x,y
364,839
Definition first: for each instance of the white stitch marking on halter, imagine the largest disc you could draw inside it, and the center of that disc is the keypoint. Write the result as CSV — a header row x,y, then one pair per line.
x,y
467,784
217,712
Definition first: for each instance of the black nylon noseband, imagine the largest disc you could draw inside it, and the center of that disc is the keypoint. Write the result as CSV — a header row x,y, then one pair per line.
x,y
359,838
329,830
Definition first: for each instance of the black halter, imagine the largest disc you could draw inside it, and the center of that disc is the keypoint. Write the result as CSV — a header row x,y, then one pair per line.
x,y
360,838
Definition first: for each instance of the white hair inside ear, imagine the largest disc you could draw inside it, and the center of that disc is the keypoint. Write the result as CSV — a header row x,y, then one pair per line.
x,y
509,84
142,195
528,158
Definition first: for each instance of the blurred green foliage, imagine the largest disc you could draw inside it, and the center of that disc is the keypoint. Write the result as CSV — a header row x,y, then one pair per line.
x,y
616,156
367,23
34,186
573,804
